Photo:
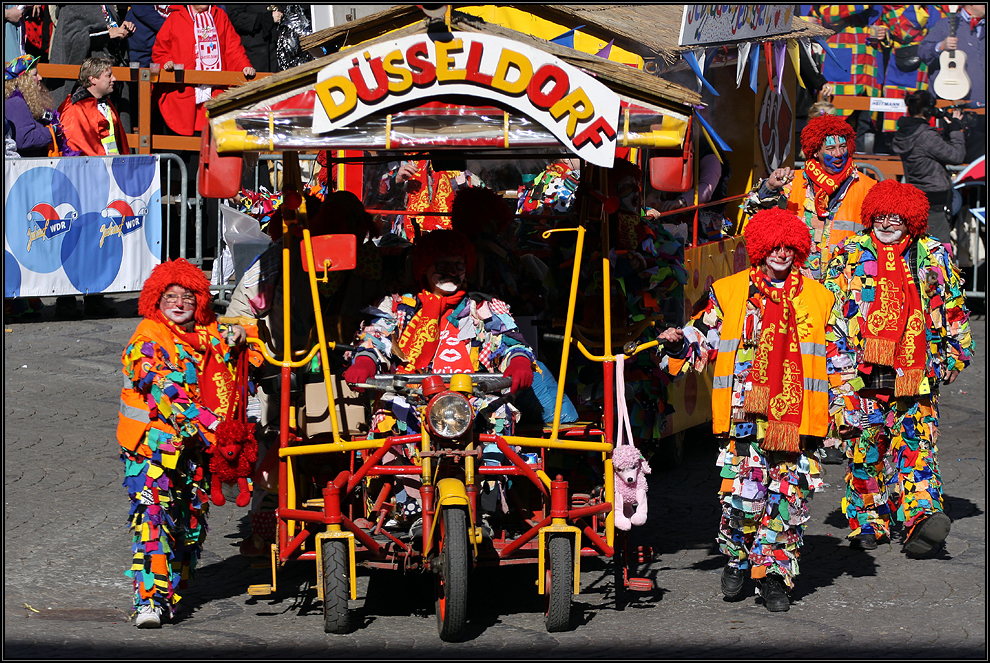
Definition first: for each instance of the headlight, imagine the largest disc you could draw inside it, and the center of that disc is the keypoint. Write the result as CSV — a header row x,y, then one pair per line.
x,y
449,415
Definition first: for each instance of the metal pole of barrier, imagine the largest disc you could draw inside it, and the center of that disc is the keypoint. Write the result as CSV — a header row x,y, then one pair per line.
x,y
171,199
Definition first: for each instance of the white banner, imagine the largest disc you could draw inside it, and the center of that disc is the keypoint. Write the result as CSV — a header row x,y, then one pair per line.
x,y
80,225
581,112
887,104
715,24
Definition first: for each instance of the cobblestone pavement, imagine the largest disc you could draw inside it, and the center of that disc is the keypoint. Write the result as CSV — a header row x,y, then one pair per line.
x,y
66,549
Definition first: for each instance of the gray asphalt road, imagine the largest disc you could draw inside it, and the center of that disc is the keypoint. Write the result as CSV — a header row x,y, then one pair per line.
x,y
66,549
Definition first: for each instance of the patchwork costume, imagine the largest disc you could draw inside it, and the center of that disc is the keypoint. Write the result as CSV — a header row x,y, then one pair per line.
x,y
770,398
906,329
178,386
828,203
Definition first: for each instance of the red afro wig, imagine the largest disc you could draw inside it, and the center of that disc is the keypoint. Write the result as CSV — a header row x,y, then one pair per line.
x,y
892,197
438,244
477,210
775,227
814,133
177,272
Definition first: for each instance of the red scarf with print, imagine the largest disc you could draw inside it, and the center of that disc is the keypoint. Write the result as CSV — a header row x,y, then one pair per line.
x,y
894,334
418,342
217,387
777,372
824,183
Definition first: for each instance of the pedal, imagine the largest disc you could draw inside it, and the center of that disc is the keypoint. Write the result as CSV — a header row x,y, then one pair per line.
x,y
260,590
639,585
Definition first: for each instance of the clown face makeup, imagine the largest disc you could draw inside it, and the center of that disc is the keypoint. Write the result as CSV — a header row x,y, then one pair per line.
x,y
779,262
889,229
446,276
179,306
834,153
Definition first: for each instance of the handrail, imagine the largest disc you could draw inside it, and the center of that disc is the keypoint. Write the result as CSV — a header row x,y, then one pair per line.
x,y
143,140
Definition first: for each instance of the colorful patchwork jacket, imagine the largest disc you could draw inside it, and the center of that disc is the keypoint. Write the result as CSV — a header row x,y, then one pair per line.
x,y
851,276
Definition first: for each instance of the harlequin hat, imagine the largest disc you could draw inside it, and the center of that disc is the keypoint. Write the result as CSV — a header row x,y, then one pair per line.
x,y
440,243
18,66
892,197
177,272
820,127
776,227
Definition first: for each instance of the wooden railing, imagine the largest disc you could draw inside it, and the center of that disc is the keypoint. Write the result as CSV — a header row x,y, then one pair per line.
x,y
142,139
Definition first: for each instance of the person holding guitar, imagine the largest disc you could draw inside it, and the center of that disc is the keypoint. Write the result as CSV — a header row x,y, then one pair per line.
x,y
968,40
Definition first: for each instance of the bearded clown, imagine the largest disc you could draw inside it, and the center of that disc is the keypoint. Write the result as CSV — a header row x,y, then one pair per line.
x,y
178,388
765,331
440,329
826,194
907,332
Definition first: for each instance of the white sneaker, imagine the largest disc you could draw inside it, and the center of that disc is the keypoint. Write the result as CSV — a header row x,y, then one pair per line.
x,y
149,616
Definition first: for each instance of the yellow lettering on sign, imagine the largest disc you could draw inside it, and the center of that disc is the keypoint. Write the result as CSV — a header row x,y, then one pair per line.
x,y
341,84
405,76
445,61
510,59
569,106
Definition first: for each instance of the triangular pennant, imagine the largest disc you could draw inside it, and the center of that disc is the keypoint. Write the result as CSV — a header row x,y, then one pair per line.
x,y
692,61
768,56
754,69
605,52
566,39
711,132
743,52
779,54
828,52
793,50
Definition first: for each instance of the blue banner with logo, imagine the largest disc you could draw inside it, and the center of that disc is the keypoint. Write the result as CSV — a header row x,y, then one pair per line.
x,y
80,225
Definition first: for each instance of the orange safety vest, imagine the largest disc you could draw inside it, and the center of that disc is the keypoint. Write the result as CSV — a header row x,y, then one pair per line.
x,y
845,222
732,293
133,419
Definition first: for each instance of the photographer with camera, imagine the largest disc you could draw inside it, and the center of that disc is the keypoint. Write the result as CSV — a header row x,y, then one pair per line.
x,y
925,154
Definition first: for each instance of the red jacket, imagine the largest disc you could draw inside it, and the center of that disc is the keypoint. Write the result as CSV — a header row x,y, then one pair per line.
x,y
85,126
177,42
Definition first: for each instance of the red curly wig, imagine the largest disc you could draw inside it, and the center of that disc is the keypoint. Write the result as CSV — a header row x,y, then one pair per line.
x,y
438,244
477,210
775,227
814,133
177,272
892,197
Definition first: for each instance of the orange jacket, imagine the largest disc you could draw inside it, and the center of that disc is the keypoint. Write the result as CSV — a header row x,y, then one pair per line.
x,y
732,293
85,126
844,222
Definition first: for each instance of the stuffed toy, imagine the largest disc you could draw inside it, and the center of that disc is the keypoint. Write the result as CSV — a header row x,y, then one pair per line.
x,y
232,460
630,469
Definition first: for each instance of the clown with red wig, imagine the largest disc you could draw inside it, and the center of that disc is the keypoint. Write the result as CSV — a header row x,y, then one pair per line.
x,y
178,387
907,331
440,329
764,330
826,194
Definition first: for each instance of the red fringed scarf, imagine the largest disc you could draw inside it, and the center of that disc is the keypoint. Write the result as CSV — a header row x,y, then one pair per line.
x,y
217,387
777,372
824,184
419,340
895,326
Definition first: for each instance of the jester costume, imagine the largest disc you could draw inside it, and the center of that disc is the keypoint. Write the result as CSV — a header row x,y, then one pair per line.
x,y
827,199
770,398
178,386
906,329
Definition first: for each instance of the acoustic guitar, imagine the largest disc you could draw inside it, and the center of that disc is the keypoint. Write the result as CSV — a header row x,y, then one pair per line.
x,y
952,82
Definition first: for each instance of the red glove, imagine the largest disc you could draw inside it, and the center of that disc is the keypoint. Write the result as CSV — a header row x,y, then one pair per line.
x,y
360,370
520,369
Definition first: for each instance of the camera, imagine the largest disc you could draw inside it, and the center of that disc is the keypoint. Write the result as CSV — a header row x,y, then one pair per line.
x,y
47,117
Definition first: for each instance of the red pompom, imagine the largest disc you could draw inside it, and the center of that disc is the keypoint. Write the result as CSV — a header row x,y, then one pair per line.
x,y
774,227
814,133
291,199
893,197
177,272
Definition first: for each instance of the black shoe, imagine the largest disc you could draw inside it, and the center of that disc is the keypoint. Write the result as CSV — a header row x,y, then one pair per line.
x,y
732,581
96,306
833,456
864,541
927,533
774,594
66,308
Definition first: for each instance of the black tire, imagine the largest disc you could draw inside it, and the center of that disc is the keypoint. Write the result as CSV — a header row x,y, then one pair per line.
x,y
336,587
452,576
559,584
